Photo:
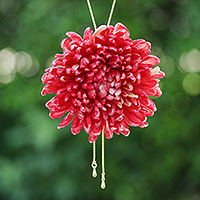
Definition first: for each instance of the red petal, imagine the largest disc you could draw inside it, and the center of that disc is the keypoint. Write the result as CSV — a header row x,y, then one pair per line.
x,y
134,116
98,128
159,75
87,34
87,123
66,120
57,62
149,82
76,125
48,89
143,125
96,113
141,44
108,132
139,92
154,92
158,92
151,60
65,44
74,37
119,27
146,111
92,138
129,122
124,129
44,78
43,92
148,103
117,130
56,115
99,30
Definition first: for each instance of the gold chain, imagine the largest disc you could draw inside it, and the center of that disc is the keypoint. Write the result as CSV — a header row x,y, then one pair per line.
x,y
111,12
92,15
94,163
103,175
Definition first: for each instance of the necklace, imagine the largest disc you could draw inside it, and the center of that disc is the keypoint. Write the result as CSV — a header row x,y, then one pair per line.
x,y
102,83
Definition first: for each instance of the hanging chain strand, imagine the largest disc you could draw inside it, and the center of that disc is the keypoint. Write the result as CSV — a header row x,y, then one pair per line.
x,y
111,12
103,175
92,15
94,163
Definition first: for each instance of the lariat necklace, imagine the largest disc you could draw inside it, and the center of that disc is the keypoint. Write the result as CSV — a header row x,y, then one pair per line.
x,y
94,163
103,82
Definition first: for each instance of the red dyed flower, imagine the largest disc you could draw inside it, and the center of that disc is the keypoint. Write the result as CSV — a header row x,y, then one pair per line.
x,y
103,80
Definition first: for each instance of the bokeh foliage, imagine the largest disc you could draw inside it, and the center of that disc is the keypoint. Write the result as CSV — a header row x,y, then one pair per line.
x,y
37,161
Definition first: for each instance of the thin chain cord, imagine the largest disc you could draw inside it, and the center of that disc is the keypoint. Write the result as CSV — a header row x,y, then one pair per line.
x,y
92,15
111,12
103,174
94,164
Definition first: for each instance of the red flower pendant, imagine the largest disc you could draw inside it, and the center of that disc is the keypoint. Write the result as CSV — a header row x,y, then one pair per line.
x,y
103,81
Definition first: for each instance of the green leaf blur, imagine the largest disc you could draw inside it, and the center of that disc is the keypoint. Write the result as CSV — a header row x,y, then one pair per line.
x,y
37,161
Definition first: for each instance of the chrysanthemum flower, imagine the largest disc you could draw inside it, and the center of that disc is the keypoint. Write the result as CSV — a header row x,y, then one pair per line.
x,y
103,80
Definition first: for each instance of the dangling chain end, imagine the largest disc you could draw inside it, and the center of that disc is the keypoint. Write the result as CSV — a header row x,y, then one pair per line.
x,y
94,163
103,181
94,166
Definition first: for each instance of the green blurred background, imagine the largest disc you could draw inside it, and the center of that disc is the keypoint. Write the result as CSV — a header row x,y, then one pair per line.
x,y
37,161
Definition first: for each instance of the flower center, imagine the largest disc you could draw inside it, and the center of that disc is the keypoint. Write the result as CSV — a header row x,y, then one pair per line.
x,y
103,89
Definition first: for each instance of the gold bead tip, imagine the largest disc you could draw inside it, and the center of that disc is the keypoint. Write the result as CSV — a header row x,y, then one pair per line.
x,y
103,184
103,181
94,173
